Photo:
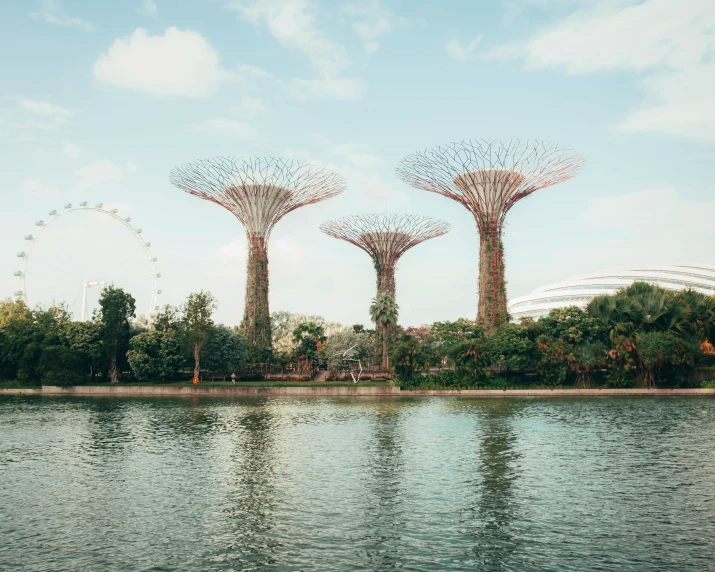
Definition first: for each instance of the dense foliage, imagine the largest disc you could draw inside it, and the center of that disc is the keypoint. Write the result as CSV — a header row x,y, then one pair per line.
x,y
642,336
44,345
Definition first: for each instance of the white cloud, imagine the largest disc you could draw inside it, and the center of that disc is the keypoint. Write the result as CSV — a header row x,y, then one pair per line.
x,y
247,71
674,42
177,63
149,8
683,104
329,88
292,23
44,108
29,116
357,155
103,172
654,225
249,107
52,13
71,150
372,20
226,126
463,52
34,187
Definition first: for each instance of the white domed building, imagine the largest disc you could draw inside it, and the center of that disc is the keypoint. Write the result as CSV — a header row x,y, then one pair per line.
x,y
580,290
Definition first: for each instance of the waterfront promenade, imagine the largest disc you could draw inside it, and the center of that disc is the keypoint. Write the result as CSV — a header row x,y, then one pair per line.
x,y
343,391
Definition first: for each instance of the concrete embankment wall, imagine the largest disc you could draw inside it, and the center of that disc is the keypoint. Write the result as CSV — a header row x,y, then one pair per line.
x,y
238,390
129,390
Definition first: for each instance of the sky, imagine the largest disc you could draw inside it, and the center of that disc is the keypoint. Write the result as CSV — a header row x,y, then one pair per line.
x,y
100,100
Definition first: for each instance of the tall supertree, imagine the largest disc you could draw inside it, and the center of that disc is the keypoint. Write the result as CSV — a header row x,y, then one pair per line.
x,y
488,177
259,192
385,237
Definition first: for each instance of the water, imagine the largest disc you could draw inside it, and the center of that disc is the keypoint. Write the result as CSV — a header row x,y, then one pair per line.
x,y
356,484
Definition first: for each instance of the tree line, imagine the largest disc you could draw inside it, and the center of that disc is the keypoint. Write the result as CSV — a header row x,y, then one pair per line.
x,y
642,336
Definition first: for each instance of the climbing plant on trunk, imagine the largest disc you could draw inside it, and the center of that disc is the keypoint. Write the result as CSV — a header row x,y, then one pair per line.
x,y
258,192
488,177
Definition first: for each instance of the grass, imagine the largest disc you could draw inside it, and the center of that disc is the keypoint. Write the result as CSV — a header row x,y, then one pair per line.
x,y
257,384
18,385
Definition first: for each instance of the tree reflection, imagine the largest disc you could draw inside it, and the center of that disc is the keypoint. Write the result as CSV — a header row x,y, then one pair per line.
x,y
383,474
495,503
251,501
106,426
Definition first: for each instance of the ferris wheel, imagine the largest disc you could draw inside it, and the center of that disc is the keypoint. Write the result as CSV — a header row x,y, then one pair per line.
x,y
80,248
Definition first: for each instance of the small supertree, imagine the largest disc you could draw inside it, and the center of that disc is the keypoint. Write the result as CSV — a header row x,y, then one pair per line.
x,y
488,177
385,237
259,192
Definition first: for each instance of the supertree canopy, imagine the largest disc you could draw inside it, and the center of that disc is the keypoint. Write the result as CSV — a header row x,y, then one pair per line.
x,y
259,192
385,237
489,177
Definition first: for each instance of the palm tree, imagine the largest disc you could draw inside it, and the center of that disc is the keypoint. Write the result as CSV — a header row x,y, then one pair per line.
x,y
645,321
702,314
384,311
614,313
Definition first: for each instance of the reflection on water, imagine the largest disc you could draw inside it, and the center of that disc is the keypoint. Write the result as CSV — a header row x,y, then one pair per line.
x,y
356,484
251,497
382,478
496,503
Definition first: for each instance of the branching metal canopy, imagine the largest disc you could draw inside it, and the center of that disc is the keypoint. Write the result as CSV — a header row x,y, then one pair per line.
x,y
489,176
385,237
258,191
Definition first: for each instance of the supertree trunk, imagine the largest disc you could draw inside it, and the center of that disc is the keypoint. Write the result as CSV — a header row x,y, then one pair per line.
x,y
386,280
492,309
488,177
256,323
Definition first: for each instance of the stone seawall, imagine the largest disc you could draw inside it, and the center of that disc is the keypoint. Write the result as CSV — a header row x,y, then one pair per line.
x,y
558,392
238,390
128,390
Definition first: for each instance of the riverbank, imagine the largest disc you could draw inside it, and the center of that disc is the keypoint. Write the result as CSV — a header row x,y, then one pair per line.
x,y
338,391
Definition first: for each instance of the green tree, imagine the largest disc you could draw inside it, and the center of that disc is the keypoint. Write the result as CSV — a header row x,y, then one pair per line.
x,y
445,335
225,352
116,310
306,338
467,357
169,317
509,350
701,323
85,340
588,356
345,347
197,322
12,309
409,359
384,312
155,355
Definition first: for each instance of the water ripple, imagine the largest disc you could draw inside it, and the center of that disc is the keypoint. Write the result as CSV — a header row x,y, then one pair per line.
x,y
356,484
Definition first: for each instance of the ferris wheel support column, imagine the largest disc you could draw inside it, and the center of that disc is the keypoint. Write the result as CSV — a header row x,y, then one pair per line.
x,y
86,286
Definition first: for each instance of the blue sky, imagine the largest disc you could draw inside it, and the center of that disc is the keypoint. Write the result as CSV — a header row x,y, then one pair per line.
x,y
99,100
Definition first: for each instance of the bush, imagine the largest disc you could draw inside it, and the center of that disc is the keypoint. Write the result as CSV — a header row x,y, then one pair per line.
x,y
409,360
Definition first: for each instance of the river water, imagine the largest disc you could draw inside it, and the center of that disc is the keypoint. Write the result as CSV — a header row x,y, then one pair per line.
x,y
357,483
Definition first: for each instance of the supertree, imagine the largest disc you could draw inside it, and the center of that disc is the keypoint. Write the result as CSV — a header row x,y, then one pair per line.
x,y
259,192
488,177
385,237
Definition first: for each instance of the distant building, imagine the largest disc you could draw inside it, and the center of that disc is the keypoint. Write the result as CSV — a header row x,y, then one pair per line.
x,y
580,290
